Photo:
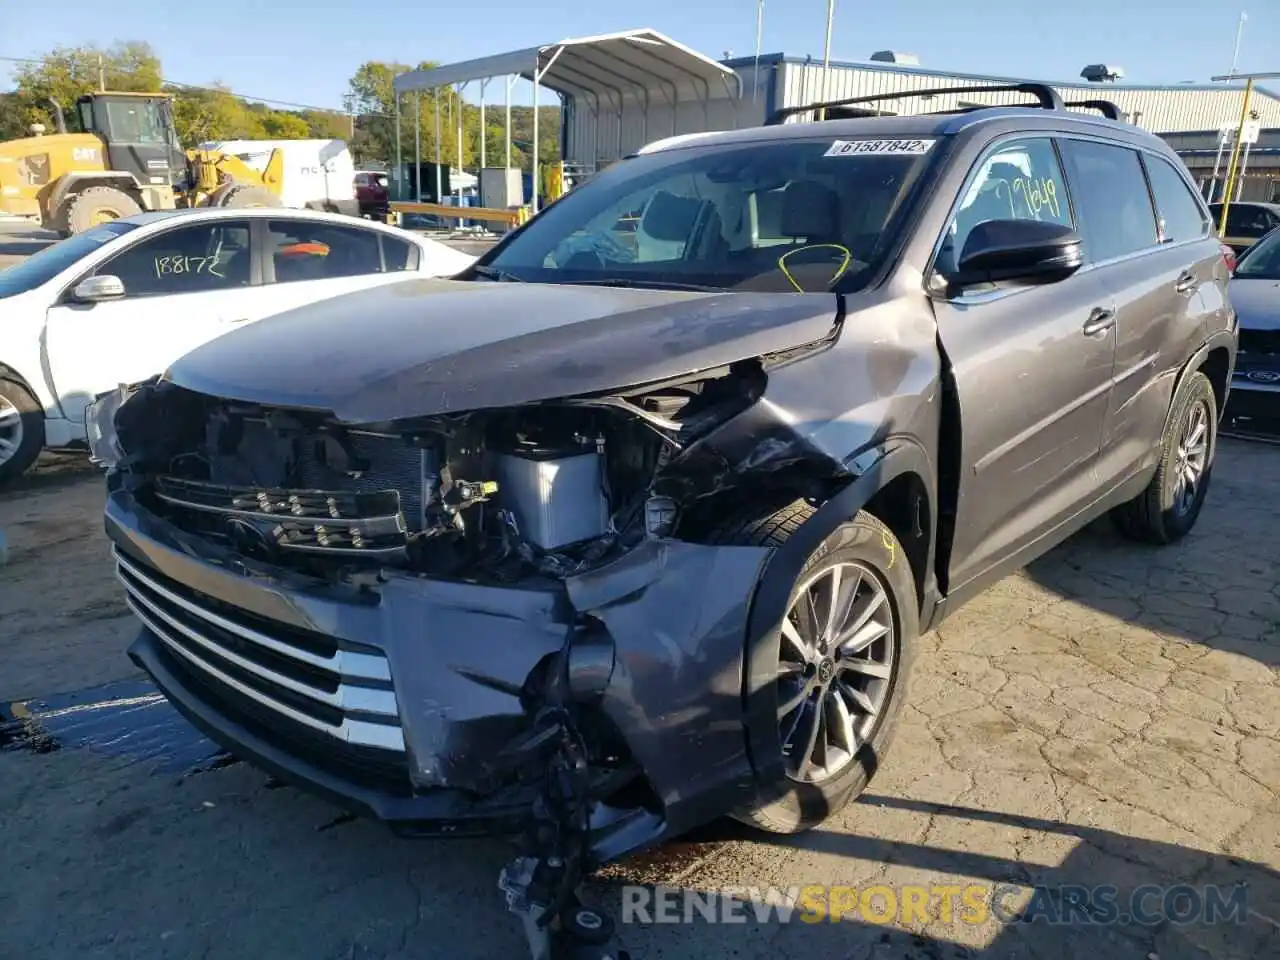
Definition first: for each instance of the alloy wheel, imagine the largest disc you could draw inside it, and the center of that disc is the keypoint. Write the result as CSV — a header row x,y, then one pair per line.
x,y
10,430
836,667
1192,457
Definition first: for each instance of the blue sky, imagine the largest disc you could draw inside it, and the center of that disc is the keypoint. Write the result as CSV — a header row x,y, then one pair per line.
x,y
305,52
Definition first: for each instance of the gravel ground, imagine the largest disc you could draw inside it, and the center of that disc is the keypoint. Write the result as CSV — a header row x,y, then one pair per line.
x,y
1110,716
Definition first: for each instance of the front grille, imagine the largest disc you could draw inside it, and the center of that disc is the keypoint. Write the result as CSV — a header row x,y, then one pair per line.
x,y
1259,341
302,680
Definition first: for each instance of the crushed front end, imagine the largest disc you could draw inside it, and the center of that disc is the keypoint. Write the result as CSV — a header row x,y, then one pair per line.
x,y
411,617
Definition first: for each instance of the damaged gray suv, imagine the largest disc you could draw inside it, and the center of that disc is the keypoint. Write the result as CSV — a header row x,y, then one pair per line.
x,y
638,521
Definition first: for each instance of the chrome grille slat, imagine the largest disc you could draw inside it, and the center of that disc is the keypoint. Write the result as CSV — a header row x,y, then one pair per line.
x,y
322,680
362,699
356,665
351,731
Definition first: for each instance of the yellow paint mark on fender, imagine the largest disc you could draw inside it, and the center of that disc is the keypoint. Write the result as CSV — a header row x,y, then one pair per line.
x,y
889,545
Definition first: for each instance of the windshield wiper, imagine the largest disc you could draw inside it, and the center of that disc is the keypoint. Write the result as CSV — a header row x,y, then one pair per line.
x,y
644,284
493,273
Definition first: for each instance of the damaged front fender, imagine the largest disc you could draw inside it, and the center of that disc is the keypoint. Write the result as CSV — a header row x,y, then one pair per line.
x,y
678,614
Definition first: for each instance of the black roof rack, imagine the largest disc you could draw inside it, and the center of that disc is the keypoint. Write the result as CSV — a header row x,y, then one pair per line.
x,y
1104,107
1047,99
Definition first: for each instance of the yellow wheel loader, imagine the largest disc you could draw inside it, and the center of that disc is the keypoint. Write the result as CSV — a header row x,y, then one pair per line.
x,y
126,159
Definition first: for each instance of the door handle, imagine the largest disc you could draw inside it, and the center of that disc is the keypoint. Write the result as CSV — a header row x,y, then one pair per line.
x,y
1100,321
1186,283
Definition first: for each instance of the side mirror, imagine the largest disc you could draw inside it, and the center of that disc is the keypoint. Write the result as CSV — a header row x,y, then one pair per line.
x,y
94,289
1027,250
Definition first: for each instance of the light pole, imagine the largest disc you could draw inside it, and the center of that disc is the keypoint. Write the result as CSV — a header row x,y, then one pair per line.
x,y
759,37
1235,53
826,59
1234,166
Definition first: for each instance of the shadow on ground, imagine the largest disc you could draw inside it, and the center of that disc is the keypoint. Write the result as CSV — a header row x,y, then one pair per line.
x,y
1217,587
1111,896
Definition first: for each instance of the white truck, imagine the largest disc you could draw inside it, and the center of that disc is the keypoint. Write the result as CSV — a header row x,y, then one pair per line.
x,y
318,174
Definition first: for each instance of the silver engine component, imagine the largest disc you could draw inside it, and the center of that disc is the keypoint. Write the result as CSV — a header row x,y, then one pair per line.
x,y
555,499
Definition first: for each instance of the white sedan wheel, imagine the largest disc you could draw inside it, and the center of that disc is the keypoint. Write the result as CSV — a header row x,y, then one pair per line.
x,y
11,430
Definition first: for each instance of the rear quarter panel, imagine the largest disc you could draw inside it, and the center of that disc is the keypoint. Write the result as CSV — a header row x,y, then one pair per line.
x,y
1161,331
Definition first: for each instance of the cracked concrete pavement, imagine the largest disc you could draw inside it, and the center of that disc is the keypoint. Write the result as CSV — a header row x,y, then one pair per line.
x,y
1109,716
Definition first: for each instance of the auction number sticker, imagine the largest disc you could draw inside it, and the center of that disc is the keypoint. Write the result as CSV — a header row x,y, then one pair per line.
x,y
172,266
853,148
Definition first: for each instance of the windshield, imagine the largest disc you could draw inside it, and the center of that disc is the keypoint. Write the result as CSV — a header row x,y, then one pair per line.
x,y
52,260
800,215
1262,260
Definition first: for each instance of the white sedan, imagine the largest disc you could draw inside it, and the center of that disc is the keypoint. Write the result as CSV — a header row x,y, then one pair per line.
x,y
120,302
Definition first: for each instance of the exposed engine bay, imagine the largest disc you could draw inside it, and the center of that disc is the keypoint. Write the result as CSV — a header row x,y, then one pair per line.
x,y
546,489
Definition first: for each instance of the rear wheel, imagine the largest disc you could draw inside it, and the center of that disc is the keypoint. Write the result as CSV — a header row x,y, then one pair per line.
x,y
845,651
1167,510
248,195
21,429
97,205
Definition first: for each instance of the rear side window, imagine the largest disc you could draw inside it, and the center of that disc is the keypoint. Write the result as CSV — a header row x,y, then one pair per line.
x,y
306,250
1180,215
1112,203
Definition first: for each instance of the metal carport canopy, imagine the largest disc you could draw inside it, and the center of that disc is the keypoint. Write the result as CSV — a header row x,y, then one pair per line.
x,y
633,60
642,63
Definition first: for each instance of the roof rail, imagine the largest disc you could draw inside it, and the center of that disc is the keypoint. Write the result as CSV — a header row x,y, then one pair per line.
x,y
1047,97
1104,107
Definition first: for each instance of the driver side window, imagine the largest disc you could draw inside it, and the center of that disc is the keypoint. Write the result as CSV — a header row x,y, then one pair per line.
x,y
200,258
643,227
1021,180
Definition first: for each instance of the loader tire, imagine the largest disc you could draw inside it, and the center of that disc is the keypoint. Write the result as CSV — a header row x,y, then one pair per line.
x,y
218,197
96,205
249,196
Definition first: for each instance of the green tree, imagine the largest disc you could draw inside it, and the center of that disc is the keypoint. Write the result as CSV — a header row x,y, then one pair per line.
x,y
13,123
324,125
282,125
70,72
372,99
214,113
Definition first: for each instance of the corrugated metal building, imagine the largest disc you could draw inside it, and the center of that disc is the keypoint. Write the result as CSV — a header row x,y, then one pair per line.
x,y
1261,163
594,137
792,81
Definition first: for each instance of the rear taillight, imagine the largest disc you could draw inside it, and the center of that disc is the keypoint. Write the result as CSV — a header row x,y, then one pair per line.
x,y
1229,258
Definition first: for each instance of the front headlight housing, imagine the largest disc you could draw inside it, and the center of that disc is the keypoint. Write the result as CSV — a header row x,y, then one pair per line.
x,y
100,428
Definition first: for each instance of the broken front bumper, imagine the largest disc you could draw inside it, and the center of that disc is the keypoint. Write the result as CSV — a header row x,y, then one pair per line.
x,y
412,700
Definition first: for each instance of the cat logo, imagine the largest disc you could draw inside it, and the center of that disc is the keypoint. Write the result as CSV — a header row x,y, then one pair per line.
x,y
85,154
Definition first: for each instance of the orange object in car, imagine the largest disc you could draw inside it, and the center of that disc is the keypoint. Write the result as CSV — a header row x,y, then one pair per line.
x,y
303,249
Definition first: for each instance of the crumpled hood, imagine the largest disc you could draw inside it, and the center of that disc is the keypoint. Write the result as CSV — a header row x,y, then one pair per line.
x,y
1256,302
437,346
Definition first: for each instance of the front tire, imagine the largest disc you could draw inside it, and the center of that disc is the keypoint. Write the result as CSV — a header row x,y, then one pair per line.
x,y
845,652
1166,511
248,195
21,430
96,205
